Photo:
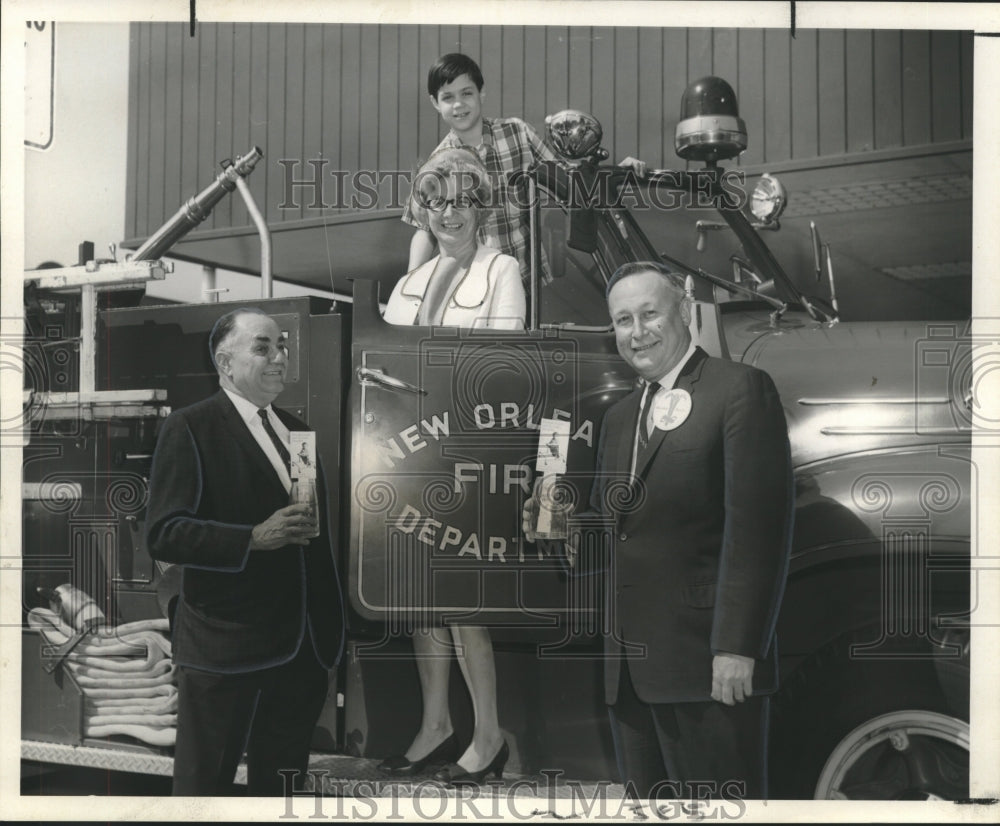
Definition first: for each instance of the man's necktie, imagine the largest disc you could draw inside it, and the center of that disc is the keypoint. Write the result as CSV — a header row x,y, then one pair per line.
x,y
644,418
282,450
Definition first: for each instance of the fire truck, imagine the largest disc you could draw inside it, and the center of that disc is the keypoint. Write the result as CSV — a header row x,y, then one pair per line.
x,y
429,438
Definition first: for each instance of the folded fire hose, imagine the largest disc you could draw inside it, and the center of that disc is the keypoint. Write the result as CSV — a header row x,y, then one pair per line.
x,y
102,707
125,672
157,705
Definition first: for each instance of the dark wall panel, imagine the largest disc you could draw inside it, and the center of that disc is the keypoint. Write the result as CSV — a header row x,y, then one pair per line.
x,y
356,95
725,53
490,62
777,95
451,39
750,91
430,49
388,106
535,85
297,117
136,178
805,95
349,156
223,143
366,81
512,73
831,95
699,52
192,90
916,63
260,71
602,83
329,104
556,60
468,41
860,91
242,138
650,92
174,67
313,145
946,97
888,76
156,124
626,101
965,81
580,50
674,68
412,101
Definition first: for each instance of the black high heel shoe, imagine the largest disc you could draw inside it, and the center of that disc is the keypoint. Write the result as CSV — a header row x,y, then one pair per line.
x,y
399,766
454,775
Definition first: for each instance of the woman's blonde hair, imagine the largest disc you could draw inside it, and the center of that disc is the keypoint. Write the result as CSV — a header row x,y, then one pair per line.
x,y
458,162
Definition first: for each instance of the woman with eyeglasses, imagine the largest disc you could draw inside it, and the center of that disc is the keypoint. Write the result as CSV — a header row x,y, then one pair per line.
x,y
467,284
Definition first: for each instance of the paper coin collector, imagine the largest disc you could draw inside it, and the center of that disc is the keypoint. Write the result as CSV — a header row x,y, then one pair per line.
x,y
303,454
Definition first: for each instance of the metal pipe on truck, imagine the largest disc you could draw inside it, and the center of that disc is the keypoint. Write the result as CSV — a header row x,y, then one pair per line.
x,y
198,208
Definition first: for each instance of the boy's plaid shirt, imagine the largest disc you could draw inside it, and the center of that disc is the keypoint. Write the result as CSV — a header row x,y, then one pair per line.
x,y
509,145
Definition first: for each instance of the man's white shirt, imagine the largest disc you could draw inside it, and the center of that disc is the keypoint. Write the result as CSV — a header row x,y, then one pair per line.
x,y
248,412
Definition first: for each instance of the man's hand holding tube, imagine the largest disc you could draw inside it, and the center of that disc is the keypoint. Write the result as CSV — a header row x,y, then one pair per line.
x,y
549,497
290,525
529,514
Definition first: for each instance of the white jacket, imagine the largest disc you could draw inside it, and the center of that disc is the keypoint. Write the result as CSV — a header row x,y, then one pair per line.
x,y
490,294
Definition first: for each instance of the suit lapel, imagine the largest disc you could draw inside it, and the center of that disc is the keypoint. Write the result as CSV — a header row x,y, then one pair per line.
x,y
626,437
247,443
288,420
686,380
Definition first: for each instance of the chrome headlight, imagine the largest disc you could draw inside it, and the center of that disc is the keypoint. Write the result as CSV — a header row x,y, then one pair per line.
x,y
768,199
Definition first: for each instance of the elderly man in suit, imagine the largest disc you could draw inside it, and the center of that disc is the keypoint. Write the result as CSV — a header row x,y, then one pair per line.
x,y
700,554
260,618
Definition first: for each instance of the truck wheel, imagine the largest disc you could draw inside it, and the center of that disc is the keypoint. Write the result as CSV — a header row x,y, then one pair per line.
x,y
858,729
904,755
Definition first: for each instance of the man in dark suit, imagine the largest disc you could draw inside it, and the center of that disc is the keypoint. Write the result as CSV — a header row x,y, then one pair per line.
x,y
260,619
700,551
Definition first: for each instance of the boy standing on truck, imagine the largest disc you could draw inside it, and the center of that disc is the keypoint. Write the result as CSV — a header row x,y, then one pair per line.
x,y
506,146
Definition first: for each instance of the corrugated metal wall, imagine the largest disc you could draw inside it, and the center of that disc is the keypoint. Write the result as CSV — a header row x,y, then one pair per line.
x,y
356,95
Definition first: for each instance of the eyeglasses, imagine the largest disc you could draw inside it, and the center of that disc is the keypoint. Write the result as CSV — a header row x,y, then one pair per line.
x,y
439,204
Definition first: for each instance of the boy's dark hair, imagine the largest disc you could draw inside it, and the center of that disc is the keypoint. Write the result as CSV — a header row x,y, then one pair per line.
x,y
450,66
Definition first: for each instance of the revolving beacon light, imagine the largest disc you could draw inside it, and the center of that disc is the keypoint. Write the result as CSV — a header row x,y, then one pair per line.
x,y
710,128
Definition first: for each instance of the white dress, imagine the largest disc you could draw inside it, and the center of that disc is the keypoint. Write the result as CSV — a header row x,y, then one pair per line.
x,y
489,295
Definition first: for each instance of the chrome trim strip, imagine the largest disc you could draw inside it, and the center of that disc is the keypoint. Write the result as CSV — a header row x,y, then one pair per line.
x,y
899,400
890,430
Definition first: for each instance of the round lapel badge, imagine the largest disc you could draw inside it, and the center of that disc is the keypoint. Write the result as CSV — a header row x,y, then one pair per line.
x,y
671,409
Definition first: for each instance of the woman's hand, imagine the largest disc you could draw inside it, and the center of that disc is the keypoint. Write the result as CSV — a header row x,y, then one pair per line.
x,y
638,167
